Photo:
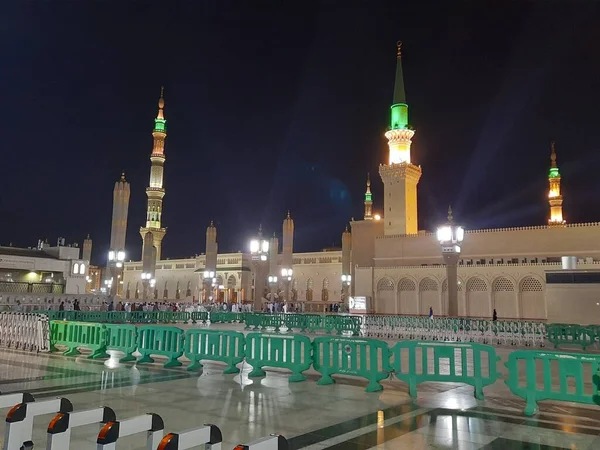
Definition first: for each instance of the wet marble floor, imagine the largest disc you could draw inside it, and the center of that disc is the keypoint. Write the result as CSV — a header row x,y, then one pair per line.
x,y
341,416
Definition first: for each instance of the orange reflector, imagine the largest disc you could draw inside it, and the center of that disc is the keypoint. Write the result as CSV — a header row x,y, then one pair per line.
x,y
55,421
12,411
105,429
239,447
165,441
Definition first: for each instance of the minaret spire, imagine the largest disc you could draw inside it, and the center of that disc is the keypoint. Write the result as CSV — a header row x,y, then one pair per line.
x,y
555,198
399,93
368,200
155,191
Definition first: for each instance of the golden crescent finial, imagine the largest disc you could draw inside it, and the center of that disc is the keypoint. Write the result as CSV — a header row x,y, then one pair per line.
x,y
450,218
399,49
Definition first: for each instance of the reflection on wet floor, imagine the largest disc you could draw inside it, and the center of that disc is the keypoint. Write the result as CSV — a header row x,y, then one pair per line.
x,y
340,416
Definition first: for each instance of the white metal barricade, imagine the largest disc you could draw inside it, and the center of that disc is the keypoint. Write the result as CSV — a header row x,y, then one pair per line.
x,y
210,436
25,331
59,430
273,442
151,424
19,421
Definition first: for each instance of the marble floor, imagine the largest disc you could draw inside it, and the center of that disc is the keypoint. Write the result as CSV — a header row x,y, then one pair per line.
x,y
340,416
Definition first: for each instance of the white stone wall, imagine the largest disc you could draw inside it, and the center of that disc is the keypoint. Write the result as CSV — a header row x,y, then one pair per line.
x,y
515,291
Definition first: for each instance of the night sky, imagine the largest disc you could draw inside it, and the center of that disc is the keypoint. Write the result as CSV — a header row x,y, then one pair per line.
x,y
283,105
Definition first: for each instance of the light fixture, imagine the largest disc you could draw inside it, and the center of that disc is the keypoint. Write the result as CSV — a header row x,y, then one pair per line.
x,y
111,255
272,279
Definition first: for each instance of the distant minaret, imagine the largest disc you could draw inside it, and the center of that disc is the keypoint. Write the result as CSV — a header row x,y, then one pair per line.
x,y
554,195
400,177
210,265
368,200
287,273
116,253
155,191
346,264
274,277
87,249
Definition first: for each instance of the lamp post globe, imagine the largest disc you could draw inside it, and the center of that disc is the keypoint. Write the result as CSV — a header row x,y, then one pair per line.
x,y
451,236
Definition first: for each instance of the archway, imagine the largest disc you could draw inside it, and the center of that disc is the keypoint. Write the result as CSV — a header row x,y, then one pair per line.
x,y
533,303
385,302
430,296
407,297
504,298
478,298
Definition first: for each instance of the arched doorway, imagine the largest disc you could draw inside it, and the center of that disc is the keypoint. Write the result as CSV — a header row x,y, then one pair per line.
x,y
533,303
478,298
407,297
430,296
504,298
385,302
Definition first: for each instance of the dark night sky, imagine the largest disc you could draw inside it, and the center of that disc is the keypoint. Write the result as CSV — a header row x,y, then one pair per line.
x,y
277,105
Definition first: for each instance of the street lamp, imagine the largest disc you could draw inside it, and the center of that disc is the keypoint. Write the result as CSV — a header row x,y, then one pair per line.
x,y
259,250
346,282
115,262
450,237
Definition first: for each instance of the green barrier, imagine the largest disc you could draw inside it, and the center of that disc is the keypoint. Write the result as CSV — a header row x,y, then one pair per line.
x,y
74,335
366,358
122,338
292,352
417,370
199,316
570,367
159,340
560,334
223,346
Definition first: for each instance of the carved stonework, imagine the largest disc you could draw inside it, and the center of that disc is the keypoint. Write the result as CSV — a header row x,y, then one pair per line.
x,y
399,172
399,135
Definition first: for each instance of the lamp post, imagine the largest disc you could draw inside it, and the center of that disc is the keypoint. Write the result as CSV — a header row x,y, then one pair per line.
x,y
146,281
450,237
259,250
346,281
286,276
209,281
115,262
272,285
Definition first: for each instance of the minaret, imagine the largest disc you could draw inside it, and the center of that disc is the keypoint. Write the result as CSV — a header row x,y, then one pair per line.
x,y
346,264
554,195
155,191
273,275
400,177
368,200
87,249
116,253
210,265
287,256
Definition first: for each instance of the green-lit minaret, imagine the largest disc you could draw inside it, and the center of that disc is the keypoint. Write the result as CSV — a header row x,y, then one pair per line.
x,y
400,177
368,200
156,191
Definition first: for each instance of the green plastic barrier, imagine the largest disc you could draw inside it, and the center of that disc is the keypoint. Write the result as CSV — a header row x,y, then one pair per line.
x,y
160,340
122,338
253,321
560,334
292,352
74,335
199,316
213,345
295,321
538,386
366,358
417,370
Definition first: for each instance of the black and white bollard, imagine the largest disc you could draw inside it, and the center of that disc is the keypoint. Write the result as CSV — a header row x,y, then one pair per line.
x,y
152,424
59,430
209,435
19,421
273,442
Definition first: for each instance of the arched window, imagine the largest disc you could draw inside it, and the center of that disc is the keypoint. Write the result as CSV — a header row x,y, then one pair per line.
x,y
82,269
309,290
76,268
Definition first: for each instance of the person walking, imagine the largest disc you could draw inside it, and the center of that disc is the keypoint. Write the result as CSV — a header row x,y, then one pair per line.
x,y
431,313
495,316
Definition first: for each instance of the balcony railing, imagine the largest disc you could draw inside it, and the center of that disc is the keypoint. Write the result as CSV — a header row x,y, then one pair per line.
x,y
36,288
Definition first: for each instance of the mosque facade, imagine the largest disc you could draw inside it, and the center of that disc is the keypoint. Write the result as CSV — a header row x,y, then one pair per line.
x,y
392,263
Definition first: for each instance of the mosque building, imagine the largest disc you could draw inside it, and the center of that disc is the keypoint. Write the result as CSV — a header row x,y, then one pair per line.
x,y
519,272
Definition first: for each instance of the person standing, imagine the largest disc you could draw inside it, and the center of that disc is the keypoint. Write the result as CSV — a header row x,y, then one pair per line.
x,y
431,312
495,316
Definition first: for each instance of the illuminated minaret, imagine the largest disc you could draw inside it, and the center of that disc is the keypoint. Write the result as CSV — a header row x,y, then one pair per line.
x,y
156,191
368,200
87,249
400,177
554,195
